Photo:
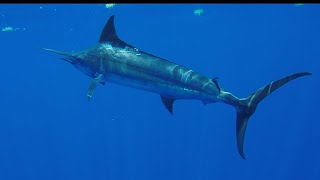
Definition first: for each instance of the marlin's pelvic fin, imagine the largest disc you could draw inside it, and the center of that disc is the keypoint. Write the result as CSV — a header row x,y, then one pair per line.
x,y
93,86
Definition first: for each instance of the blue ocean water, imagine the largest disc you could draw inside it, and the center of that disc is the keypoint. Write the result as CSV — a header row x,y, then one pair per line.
x,y
48,129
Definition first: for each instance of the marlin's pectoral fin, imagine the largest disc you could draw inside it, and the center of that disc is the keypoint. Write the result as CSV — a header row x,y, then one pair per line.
x,y
93,85
168,103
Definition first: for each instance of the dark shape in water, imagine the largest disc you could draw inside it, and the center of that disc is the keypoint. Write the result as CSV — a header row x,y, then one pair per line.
x,y
113,60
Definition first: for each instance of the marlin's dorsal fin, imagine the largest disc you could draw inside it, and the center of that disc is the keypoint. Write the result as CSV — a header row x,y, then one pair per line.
x,y
109,33
215,81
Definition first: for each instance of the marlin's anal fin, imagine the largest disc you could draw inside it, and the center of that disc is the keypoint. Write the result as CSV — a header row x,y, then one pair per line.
x,y
93,86
168,103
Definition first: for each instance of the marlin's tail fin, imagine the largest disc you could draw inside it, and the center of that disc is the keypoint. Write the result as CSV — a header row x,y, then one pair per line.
x,y
247,106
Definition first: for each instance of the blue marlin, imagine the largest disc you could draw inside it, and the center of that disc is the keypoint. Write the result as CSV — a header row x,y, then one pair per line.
x,y
113,60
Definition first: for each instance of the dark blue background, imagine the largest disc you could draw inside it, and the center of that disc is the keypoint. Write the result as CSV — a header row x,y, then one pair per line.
x,y
48,129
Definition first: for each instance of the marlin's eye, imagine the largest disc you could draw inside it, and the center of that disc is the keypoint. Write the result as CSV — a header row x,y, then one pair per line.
x,y
77,58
